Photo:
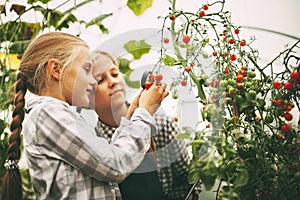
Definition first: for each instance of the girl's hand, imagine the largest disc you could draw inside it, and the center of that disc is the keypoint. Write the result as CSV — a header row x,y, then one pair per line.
x,y
151,99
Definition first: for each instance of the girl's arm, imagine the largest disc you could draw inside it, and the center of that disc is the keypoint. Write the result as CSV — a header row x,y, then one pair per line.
x,y
66,136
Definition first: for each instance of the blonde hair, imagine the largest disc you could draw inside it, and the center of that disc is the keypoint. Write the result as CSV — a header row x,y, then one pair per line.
x,y
32,76
55,45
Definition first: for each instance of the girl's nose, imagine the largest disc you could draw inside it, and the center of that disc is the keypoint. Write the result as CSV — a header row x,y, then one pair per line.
x,y
92,80
112,81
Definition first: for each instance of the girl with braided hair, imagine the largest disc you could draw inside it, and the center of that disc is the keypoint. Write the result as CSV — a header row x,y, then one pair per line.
x,y
64,156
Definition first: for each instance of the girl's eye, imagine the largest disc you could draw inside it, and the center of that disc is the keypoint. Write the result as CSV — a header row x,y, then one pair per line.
x,y
115,75
87,69
99,81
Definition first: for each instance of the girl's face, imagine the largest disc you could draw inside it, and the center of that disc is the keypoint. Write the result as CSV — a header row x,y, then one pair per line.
x,y
111,90
77,82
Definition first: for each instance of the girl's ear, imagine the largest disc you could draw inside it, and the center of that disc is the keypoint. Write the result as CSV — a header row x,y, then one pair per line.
x,y
54,69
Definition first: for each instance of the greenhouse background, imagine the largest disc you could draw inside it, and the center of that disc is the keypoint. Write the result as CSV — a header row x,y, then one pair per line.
x,y
273,24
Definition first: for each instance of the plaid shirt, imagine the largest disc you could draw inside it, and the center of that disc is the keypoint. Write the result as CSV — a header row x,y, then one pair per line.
x,y
171,157
67,160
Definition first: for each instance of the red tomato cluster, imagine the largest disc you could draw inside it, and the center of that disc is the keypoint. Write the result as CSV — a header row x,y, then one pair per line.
x,y
152,78
290,84
241,74
202,13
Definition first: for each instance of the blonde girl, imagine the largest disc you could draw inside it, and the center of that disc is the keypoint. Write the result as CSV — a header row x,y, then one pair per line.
x,y
65,158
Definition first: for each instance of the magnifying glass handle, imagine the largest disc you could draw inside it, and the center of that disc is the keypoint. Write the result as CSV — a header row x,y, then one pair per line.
x,y
144,78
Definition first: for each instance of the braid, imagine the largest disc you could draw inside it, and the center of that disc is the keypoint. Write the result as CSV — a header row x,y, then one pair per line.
x,y
12,179
13,151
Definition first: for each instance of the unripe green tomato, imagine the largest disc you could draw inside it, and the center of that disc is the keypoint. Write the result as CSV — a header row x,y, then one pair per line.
x,y
269,118
174,95
205,55
206,84
248,84
204,77
231,82
238,98
223,83
231,90
252,95
251,74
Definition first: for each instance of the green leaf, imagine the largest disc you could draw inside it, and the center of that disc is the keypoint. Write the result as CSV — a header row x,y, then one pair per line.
x,y
183,136
52,17
209,180
34,1
103,29
241,178
2,126
138,7
197,142
39,8
226,171
193,176
130,83
137,48
124,65
19,34
244,105
98,20
169,61
64,21
205,169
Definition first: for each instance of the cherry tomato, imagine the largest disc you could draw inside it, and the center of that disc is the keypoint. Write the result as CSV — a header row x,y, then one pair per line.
x,y
158,77
148,84
285,128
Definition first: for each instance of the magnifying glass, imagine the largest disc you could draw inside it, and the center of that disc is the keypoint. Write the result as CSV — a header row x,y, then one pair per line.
x,y
144,78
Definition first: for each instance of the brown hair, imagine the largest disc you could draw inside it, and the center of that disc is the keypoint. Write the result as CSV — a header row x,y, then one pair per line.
x,y
96,54
32,76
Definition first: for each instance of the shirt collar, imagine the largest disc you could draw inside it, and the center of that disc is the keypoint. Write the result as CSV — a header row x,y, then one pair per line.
x,y
33,101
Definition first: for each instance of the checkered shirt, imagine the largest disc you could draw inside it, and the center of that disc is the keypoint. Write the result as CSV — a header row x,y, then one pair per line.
x,y
67,160
172,159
